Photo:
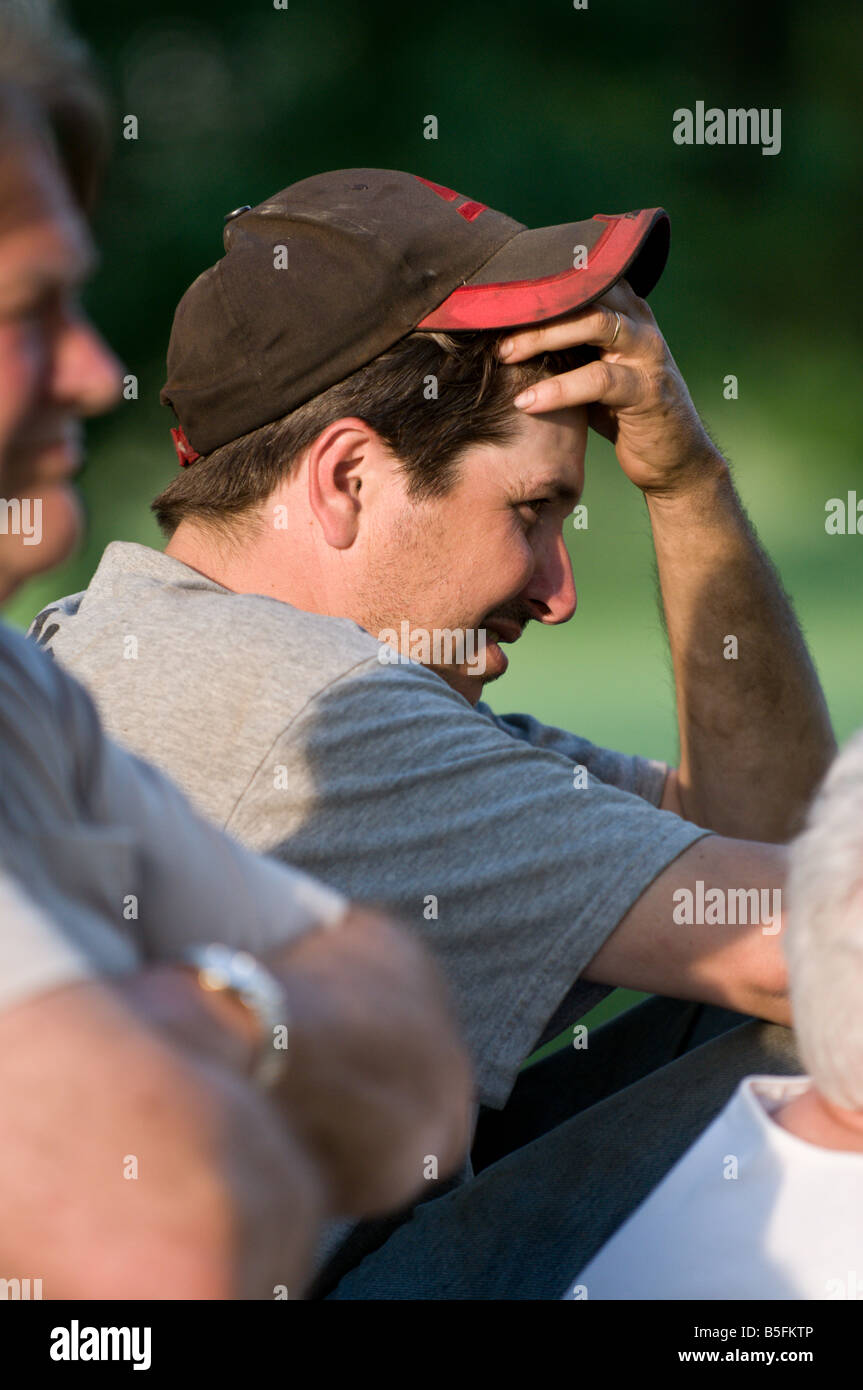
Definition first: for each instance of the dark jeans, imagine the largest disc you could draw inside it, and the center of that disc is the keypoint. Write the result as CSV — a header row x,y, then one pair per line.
x,y
584,1138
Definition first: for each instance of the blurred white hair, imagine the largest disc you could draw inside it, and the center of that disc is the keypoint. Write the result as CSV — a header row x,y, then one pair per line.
x,y
824,934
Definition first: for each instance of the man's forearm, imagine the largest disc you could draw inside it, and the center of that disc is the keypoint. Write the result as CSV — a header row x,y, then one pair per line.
x,y
755,733
225,1204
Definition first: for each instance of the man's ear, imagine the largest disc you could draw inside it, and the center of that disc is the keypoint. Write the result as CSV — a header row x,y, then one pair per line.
x,y
339,463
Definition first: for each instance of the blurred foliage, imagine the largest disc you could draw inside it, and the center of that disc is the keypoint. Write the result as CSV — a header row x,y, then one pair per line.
x,y
550,114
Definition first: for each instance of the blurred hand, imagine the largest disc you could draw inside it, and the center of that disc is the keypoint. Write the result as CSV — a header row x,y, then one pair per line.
x,y
377,1078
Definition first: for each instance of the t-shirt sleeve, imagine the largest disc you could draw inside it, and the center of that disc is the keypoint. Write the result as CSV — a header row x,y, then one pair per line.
x,y
400,793
643,777
36,955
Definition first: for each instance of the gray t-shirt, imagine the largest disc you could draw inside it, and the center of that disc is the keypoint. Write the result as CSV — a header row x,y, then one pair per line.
x,y
103,863
285,727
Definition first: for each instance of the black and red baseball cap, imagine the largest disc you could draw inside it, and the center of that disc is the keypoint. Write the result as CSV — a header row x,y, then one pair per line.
x,y
318,280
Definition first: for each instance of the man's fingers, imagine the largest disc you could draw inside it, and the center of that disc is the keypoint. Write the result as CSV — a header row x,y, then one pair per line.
x,y
608,383
379,1076
592,327
623,297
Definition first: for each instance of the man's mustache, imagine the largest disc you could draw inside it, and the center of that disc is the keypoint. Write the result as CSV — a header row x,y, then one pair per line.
x,y
510,613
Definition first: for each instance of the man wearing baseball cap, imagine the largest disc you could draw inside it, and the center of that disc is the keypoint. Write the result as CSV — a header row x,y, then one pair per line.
x,y
359,488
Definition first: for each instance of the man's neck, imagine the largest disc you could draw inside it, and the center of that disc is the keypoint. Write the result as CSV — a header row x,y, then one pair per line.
x,y
209,554
813,1118
247,564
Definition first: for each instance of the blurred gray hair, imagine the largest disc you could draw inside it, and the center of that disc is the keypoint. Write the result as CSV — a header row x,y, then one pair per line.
x,y
47,85
824,933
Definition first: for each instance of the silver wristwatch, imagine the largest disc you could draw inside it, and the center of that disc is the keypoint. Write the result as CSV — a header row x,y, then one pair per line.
x,y
223,968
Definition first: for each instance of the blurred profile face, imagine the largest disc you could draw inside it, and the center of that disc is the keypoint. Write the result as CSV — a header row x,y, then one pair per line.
x,y
54,368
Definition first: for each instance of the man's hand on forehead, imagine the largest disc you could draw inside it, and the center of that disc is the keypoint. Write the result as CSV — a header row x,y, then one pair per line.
x,y
635,394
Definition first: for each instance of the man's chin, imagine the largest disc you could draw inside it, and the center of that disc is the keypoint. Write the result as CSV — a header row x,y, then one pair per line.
x,y
47,537
469,679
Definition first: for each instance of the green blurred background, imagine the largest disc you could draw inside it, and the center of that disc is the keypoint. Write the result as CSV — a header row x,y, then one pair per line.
x,y
550,114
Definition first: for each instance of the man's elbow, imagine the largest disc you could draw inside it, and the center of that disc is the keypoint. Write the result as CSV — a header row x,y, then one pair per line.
x,y
768,987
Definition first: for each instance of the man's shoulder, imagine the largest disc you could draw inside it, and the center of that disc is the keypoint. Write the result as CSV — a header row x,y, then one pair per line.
x,y
141,603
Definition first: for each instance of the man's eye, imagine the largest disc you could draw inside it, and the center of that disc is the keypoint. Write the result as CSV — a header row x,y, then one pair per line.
x,y
26,315
534,507
52,304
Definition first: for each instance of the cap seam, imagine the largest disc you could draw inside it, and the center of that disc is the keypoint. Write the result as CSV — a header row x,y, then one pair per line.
x,y
351,225
241,329
559,275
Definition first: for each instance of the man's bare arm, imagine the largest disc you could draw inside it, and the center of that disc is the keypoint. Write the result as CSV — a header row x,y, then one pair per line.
x,y
755,734
738,966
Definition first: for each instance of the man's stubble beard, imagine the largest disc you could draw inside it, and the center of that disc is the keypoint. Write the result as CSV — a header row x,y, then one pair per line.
x,y
382,598
416,548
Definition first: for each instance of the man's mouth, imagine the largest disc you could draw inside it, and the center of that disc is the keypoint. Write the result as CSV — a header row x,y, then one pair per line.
x,y
45,462
501,630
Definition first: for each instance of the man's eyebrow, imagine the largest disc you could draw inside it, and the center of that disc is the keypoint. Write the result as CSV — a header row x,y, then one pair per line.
x,y
31,282
74,271
551,487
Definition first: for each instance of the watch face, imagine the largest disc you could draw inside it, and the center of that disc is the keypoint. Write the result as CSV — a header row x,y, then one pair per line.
x,y
221,968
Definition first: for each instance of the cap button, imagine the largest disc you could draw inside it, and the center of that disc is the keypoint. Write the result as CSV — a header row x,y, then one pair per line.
x,y
229,216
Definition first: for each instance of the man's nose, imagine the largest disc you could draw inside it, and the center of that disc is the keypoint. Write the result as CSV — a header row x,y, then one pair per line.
x,y
551,591
87,376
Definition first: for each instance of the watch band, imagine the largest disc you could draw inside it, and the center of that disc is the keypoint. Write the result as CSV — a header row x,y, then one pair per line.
x,y
223,968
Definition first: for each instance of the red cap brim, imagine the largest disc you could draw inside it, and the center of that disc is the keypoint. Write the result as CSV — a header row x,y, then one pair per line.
x,y
634,244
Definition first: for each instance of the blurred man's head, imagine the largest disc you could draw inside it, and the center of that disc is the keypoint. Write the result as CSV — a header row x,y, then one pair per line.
x,y
411,497
824,936
53,366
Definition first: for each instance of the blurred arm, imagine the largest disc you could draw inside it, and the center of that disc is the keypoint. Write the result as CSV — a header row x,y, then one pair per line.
x,y
376,1077
133,1168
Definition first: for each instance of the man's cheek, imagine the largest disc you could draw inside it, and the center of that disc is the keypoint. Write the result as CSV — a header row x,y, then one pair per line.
x,y
21,365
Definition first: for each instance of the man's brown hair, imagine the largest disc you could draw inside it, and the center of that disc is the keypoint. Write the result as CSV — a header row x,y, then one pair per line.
x,y
430,398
